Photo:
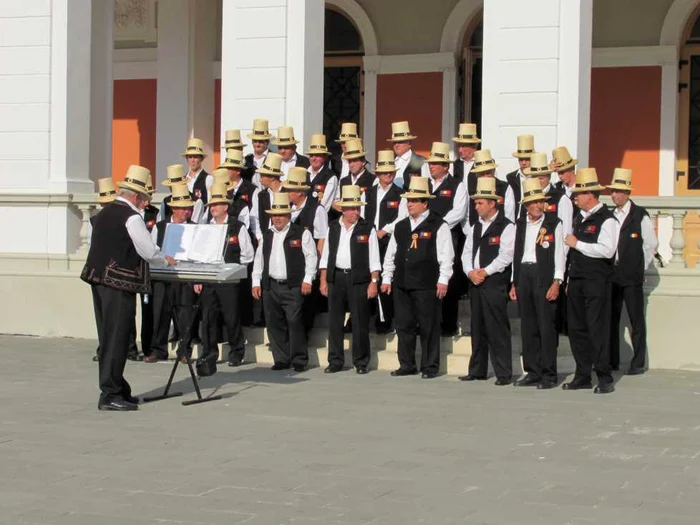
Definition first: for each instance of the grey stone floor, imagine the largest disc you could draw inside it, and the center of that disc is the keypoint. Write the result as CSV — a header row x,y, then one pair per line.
x,y
346,449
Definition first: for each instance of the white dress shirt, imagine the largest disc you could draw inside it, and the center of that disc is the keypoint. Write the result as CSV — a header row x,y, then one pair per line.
x,y
258,161
402,162
467,166
459,205
320,220
278,263
344,167
606,246
255,212
445,251
244,242
287,165
565,212
649,241
505,249
532,232
403,210
509,204
141,238
343,258
328,192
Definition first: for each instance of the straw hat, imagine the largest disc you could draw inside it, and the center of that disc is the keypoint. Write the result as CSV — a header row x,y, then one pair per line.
x,y
532,191
222,176
561,158
195,147
419,188
218,194
233,139
485,189
296,179
180,197
106,192
483,161
261,130
587,180
233,160
280,204
466,135
385,162
137,179
175,174
149,187
285,137
622,180
351,197
400,132
271,165
440,152
538,166
526,146
317,145
348,130
354,149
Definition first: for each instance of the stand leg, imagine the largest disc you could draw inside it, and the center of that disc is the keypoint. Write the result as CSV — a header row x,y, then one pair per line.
x,y
199,399
166,394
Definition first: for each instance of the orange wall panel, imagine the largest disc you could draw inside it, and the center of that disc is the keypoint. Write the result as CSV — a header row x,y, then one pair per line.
x,y
626,124
416,97
217,123
134,126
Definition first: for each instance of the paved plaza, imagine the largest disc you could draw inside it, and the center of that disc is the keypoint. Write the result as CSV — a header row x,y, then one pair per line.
x,y
311,448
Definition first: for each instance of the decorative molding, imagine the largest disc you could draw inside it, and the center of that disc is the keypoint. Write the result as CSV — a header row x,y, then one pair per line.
x,y
458,21
357,14
676,19
634,56
135,20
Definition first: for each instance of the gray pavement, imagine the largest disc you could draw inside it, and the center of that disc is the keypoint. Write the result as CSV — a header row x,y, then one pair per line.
x,y
345,449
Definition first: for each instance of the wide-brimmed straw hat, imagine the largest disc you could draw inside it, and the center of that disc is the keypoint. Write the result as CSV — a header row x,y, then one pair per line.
x,y
222,176
485,189
233,139
466,134
106,192
194,147
280,204
354,150
317,145
285,137
218,194
180,196
351,197
532,191
296,179
538,166
261,130
586,180
233,160
526,147
348,130
419,188
137,179
622,180
561,159
400,132
175,174
439,152
385,162
483,161
271,165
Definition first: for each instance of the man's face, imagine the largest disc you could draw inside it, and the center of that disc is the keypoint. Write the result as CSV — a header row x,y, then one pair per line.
x,y
280,221
466,151
485,208
356,166
437,170
620,197
181,214
317,162
491,173
259,146
568,177
401,147
142,201
266,180
535,209
544,181
585,200
296,197
416,206
194,162
386,178
234,173
218,210
286,152
344,146
351,215
523,163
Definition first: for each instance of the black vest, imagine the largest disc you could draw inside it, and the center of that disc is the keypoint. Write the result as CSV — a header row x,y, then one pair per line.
x,y
630,248
293,255
580,266
250,168
302,161
317,187
232,252
545,245
551,205
388,208
488,245
150,216
444,196
112,260
513,180
264,198
458,171
417,268
199,189
245,193
359,251
307,215
167,210
365,181
501,189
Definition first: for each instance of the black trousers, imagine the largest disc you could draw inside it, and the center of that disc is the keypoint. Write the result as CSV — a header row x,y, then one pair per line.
x,y
588,306
220,301
146,325
490,330
311,305
285,325
456,286
417,314
343,295
633,298
114,312
538,324
169,299
245,298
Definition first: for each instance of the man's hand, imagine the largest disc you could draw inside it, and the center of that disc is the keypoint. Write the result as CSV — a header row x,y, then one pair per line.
x,y
476,277
305,288
197,288
554,166
553,292
323,287
381,234
257,292
386,289
372,290
571,241
170,260
513,295
441,291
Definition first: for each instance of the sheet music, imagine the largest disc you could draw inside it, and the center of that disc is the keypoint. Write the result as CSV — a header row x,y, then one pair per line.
x,y
202,243
177,240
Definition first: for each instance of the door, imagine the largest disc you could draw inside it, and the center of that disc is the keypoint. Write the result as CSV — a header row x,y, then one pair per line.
x,y
342,95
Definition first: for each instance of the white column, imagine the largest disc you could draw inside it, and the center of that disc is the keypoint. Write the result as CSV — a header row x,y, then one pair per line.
x,y
370,65
449,103
272,64
537,58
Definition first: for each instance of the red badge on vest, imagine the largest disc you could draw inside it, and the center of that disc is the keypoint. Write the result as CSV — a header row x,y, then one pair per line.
x,y
363,189
319,187
295,243
494,240
590,229
550,208
635,235
245,197
548,238
362,238
445,193
426,235
150,224
392,204
233,239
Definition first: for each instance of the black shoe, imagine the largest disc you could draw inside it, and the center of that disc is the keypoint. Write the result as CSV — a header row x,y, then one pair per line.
x,y
429,375
399,372
615,368
361,370
546,384
279,366
259,324
604,388
528,380
235,362
633,371
577,385
470,377
131,399
449,333
503,381
332,369
95,358
134,357
118,405
384,330
153,358
196,340
300,368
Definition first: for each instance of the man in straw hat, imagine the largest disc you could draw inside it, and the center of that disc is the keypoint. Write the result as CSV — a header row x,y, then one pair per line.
x,y
558,204
232,141
241,190
238,211
486,259
221,300
260,136
322,180
116,268
383,211
538,272
287,148
349,278
171,300
270,175
467,145
175,174
285,265
635,253
358,174
591,256
348,131
565,166
485,167
408,162
197,179
516,179
417,269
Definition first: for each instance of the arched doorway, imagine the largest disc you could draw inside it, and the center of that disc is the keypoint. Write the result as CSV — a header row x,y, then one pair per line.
x,y
469,85
343,75
688,149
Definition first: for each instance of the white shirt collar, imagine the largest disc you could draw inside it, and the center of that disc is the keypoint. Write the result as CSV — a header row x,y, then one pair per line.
x,y
131,205
406,156
586,214
264,154
297,208
346,228
213,220
488,222
538,221
420,218
625,209
283,230
191,175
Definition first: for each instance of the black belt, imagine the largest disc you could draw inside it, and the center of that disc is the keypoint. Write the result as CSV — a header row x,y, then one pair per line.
x,y
528,264
278,281
343,270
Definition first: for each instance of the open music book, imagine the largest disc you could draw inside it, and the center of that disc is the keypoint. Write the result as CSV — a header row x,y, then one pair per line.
x,y
201,243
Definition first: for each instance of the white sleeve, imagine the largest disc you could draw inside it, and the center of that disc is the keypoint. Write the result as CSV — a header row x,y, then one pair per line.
x,y
375,264
141,238
258,263
403,213
324,257
509,206
254,219
505,251
445,254
256,180
389,267
154,234
559,253
310,256
246,245
198,211
456,214
650,242
565,212
467,265
244,216
329,193
606,246
321,223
